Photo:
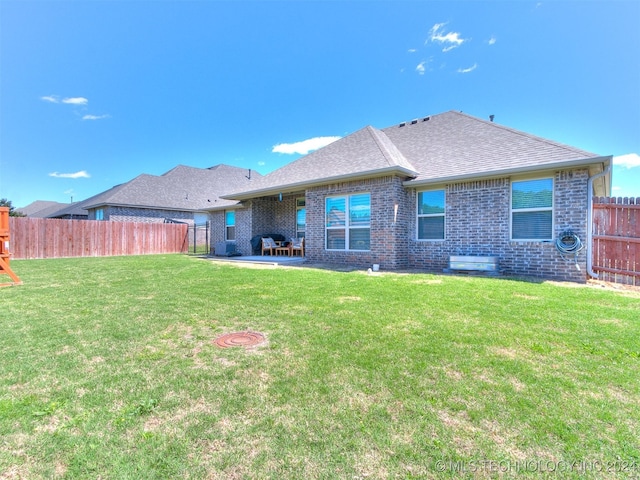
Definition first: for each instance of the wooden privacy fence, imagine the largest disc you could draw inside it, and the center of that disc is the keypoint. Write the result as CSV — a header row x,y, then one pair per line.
x,y
53,238
616,239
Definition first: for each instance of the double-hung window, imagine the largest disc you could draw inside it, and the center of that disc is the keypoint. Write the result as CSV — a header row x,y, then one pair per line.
x,y
348,222
532,209
230,225
431,215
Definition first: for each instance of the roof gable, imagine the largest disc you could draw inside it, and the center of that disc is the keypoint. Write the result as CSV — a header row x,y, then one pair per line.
x,y
366,152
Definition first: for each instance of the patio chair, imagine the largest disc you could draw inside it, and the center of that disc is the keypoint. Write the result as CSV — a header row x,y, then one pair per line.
x,y
297,245
269,244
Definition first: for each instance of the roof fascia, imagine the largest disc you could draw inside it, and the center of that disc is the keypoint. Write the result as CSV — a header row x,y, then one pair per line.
x,y
144,207
291,187
586,162
222,208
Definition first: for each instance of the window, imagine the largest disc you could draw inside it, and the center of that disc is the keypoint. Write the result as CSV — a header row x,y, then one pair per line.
x,y
532,209
431,213
301,217
230,224
99,213
348,222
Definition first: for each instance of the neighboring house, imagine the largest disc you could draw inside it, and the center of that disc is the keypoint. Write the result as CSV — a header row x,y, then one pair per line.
x,y
182,194
47,209
412,195
72,211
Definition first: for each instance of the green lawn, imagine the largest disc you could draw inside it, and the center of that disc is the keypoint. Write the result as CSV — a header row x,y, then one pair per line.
x,y
108,370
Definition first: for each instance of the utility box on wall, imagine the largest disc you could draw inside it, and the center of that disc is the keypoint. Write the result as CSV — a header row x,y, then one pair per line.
x,y
466,263
225,249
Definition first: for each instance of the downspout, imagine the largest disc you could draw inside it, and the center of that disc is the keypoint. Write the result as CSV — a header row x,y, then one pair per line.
x,y
590,220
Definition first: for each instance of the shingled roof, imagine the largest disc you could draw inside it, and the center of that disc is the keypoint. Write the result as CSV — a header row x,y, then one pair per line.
x,y
42,208
182,188
438,148
367,152
454,145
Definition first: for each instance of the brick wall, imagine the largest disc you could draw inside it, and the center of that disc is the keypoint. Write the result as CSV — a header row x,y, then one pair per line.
x,y
243,229
263,215
389,242
244,217
273,215
478,223
216,220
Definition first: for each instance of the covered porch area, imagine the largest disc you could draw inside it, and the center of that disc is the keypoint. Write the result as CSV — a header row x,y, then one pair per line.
x,y
281,218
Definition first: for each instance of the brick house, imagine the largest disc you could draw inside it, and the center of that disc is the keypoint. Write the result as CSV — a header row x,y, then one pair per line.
x,y
182,194
47,209
413,194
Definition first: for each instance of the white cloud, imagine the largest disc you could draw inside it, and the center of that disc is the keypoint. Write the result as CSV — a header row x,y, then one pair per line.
x,y
305,146
467,70
492,40
412,50
75,101
67,100
50,99
450,40
420,68
95,117
630,160
80,174
262,164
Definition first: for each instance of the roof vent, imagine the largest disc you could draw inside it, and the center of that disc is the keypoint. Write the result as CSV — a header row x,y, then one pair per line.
x,y
413,122
402,124
426,119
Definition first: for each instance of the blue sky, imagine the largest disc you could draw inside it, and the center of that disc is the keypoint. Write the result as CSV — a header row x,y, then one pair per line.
x,y
94,93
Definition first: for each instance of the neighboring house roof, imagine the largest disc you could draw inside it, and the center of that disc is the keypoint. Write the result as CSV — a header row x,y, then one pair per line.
x,y
73,211
182,188
445,147
43,208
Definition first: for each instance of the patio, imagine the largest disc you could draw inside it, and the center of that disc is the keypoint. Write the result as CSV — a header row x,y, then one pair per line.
x,y
275,260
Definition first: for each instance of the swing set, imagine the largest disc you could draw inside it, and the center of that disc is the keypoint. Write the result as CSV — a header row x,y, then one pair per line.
x,y
5,269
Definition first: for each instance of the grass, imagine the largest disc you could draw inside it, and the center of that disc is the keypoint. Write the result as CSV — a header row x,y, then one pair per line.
x,y
108,370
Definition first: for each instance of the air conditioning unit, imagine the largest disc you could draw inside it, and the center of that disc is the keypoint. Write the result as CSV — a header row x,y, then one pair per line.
x,y
225,249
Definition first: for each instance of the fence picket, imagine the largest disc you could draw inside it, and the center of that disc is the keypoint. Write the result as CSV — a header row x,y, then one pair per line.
x,y
54,238
616,239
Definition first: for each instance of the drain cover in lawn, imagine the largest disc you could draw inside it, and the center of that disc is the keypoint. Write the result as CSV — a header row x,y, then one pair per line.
x,y
239,339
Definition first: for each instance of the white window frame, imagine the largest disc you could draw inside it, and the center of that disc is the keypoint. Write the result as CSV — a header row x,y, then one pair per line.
x,y
301,205
532,210
346,227
227,226
426,215
100,214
